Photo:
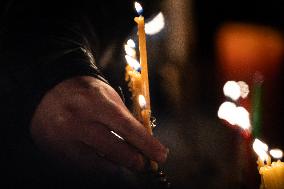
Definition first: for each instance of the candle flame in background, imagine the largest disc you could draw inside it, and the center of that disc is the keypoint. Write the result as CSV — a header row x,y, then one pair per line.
x,y
227,112
232,90
138,8
260,149
131,43
276,153
235,90
155,25
244,89
133,62
242,118
142,101
235,115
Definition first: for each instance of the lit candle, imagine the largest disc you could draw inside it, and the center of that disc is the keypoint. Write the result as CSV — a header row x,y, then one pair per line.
x,y
143,61
272,174
137,77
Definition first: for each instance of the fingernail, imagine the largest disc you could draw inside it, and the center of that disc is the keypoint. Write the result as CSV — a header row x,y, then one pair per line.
x,y
164,155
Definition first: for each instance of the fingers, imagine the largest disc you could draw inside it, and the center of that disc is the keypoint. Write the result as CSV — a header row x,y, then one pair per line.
x,y
117,117
99,103
111,147
134,133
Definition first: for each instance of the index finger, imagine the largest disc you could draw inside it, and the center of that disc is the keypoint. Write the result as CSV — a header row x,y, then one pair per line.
x,y
124,124
110,111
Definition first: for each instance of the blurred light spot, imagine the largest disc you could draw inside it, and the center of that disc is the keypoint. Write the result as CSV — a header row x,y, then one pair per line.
x,y
155,25
129,51
234,115
131,43
142,101
242,118
244,89
276,153
227,112
260,149
132,62
232,90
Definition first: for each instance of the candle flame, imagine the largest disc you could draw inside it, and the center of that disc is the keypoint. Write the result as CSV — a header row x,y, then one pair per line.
x,y
138,8
129,51
131,43
232,90
227,112
235,115
244,89
133,63
155,25
260,149
242,118
142,101
276,153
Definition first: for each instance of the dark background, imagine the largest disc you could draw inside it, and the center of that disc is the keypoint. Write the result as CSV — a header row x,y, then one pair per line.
x,y
186,83
186,90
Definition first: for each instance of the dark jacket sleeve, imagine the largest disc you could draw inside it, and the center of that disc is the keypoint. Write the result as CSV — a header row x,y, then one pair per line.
x,y
35,59
32,61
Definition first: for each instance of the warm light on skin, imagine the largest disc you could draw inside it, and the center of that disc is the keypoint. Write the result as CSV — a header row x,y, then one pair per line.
x,y
155,25
276,153
132,62
138,8
232,90
142,101
129,51
260,149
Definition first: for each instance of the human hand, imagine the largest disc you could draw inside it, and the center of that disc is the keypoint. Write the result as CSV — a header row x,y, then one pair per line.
x,y
74,120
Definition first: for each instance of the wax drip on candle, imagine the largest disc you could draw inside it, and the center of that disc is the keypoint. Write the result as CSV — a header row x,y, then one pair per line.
x,y
139,86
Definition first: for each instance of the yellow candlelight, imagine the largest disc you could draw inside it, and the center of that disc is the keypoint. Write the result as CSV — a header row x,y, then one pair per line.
x,y
133,78
145,112
272,174
143,59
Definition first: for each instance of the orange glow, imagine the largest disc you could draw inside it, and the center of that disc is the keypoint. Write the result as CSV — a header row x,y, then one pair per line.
x,y
243,49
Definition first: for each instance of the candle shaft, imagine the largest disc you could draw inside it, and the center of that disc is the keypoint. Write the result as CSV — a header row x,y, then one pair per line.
x,y
146,113
143,59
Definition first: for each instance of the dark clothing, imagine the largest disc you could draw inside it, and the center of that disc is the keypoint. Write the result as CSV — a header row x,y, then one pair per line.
x,y
42,44
35,55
